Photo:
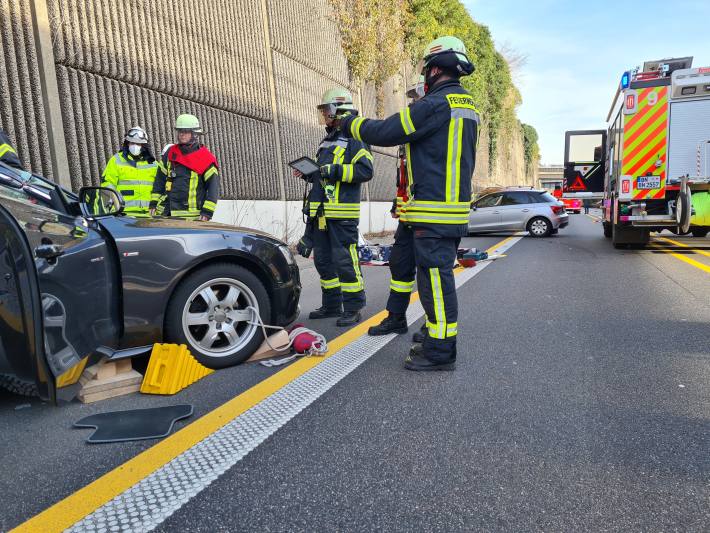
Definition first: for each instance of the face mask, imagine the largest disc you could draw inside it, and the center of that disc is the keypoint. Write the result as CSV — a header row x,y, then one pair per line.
x,y
135,149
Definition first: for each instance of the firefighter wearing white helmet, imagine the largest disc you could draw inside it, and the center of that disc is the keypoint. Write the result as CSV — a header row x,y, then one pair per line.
x,y
333,208
131,171
439,132
187,181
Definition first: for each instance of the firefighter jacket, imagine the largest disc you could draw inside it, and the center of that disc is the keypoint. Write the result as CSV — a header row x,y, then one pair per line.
x,y
187,182
133,177
348,164
439,134
8,155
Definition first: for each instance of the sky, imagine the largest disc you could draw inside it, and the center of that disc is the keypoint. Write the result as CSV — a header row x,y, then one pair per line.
x,y
577,51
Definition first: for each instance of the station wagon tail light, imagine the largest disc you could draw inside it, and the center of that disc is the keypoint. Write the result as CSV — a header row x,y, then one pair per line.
x,y
557,209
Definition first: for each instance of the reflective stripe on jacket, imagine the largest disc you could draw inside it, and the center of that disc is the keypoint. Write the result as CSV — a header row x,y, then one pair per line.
x,y
352,165
133,178
180,191
439,134
8,155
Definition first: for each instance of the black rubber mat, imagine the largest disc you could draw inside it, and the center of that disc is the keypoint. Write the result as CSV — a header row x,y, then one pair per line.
x,y
136,424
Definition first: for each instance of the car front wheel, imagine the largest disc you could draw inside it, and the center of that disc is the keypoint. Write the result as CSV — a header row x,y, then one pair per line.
x,y
539,227
211,312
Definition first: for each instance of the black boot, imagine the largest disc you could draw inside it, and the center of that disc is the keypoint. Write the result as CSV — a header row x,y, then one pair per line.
x,y
393,323
420,335
325,312
349,318
417,361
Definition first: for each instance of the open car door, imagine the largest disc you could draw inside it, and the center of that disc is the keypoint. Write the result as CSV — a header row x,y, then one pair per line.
x,y
65,280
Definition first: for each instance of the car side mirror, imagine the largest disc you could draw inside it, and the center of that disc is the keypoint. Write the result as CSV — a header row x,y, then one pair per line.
x,y
100,202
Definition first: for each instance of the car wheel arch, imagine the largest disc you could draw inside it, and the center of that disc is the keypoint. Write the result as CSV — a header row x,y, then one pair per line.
x,y
242,260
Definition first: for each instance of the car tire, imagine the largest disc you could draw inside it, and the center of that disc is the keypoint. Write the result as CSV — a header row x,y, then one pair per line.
x,y
699,232
539,227
18,386
207,312
607,229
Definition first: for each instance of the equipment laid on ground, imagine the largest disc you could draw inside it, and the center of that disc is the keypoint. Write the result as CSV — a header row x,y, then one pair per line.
x,y
657,154
171,368
136,424
304,341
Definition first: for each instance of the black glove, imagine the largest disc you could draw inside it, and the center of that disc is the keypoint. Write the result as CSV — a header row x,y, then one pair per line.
x,y
305,244
330,172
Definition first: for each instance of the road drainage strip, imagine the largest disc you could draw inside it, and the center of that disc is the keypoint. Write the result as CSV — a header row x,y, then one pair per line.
x,y
153,499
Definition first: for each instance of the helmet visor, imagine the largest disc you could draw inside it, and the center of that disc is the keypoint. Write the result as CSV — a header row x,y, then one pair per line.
x,y
326,112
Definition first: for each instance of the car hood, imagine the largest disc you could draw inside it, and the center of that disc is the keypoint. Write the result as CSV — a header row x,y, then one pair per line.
x,y
179,226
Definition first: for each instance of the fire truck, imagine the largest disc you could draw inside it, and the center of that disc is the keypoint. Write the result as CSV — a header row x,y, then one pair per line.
x,y
651,166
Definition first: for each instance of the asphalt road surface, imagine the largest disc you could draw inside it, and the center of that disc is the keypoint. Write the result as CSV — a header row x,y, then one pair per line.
x,y
581,402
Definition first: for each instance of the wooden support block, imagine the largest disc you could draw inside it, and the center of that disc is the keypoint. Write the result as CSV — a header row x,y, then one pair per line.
x,y
108,379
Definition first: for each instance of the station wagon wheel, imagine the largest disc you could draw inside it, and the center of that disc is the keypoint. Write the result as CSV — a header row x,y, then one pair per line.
x,y
539,227
210,313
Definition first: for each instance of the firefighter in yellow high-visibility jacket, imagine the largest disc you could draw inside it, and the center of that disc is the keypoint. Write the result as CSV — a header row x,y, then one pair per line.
x,y
132,172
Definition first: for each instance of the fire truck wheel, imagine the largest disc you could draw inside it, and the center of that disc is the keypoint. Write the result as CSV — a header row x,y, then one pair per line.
x,y
607,229
699,232
539,227
683,211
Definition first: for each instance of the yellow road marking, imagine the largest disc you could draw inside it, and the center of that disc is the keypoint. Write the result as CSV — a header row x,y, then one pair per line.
x,y
682,244
688,260
593,217
86,500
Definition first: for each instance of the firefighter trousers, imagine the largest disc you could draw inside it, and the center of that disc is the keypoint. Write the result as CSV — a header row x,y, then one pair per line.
x,y
435,256
403,270
336,260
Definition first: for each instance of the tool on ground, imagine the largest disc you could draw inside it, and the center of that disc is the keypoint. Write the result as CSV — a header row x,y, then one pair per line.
x,y
135,424
171,368
304,341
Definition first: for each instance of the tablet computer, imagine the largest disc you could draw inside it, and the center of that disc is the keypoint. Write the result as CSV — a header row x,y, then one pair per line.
x,y
305,165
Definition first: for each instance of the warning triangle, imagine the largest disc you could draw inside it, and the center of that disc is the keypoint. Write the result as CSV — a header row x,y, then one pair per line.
x,y
578,185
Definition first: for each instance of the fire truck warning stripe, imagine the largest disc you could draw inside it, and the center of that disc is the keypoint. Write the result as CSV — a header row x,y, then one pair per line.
x,y
651,123
651,166
645,143
648,161
644,109
144,491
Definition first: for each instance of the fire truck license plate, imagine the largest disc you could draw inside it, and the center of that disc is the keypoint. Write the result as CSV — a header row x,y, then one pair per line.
x,y
648,182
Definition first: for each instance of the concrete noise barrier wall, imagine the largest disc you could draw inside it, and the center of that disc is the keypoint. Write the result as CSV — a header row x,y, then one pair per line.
x,y
75,75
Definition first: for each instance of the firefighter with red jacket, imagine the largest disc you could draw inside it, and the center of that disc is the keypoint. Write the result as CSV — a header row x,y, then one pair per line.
x,y
402,263
187,181
440,133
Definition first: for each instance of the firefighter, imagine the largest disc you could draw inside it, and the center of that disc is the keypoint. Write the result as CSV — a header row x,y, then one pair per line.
x,y
187,181
8,155
132,172
402,262
334,211
440,133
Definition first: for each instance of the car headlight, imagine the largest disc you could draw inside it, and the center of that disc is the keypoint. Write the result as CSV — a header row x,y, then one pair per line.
x,y
287,254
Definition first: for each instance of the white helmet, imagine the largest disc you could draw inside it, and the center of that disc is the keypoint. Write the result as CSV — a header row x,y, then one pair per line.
x,y
136,135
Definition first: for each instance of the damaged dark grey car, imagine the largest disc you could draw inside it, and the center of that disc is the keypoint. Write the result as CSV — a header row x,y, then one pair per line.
x,y
78,279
